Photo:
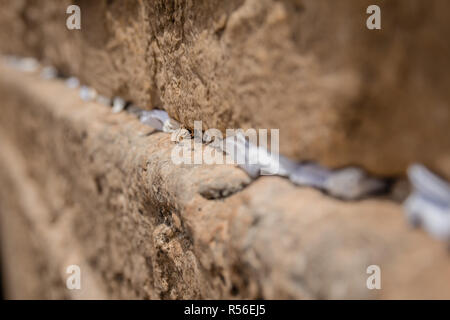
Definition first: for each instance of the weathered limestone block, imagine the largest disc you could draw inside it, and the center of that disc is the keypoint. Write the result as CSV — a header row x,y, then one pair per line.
x,y
93,188
340,93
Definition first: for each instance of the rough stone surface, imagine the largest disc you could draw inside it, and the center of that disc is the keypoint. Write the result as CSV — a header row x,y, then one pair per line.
x,y
340,94
99,190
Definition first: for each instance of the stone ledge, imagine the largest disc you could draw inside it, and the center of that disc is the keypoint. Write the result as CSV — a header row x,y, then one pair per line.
x,y
96,188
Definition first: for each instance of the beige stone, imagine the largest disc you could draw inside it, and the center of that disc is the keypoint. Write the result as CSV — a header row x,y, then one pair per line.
x,y
80,185
340,93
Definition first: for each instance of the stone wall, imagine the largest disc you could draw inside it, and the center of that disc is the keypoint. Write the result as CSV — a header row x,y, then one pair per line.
x,y
342,94
81,185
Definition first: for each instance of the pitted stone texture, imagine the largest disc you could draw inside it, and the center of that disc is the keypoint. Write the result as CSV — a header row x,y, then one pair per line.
x,y
340,93
96,189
